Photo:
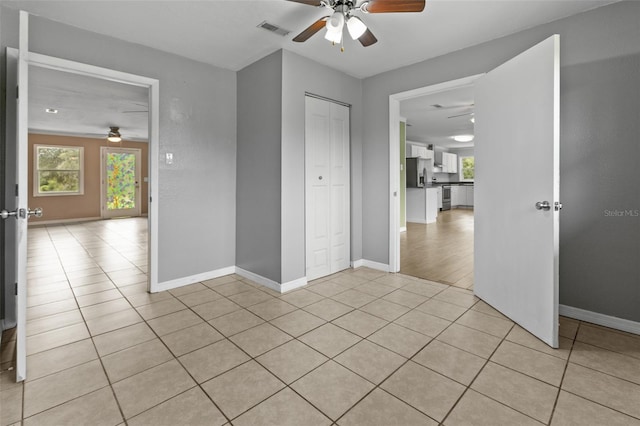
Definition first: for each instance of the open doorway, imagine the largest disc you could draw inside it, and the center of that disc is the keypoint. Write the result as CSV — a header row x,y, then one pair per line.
x,y
434,232
36,258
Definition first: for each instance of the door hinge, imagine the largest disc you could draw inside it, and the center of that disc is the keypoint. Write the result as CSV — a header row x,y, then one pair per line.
x,y
17,193
150,199
17,92
16,289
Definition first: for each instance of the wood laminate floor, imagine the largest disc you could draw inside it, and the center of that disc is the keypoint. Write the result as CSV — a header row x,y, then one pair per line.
x,y
441,251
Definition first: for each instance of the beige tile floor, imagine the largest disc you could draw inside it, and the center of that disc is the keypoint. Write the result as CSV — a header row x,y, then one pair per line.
x,y
360,347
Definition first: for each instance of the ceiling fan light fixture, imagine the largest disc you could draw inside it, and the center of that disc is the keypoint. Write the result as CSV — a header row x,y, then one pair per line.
x,y
463,138
335,21
356,27
114,134
334,25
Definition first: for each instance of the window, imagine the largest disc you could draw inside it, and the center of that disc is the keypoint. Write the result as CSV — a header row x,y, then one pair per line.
x,y
58,170
467,168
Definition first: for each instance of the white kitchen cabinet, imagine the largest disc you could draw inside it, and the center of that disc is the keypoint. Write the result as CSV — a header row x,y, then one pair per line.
x,y
448,161
455,195
421,151
439,197
463,196
422,205
470,196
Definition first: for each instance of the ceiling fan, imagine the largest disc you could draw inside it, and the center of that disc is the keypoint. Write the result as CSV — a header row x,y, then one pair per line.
x,y
343,15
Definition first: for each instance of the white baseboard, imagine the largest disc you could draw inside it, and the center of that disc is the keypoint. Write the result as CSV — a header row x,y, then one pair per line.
x,y
370,264
421,221
403,229
292,285
62,221
273,285
179,282
600,319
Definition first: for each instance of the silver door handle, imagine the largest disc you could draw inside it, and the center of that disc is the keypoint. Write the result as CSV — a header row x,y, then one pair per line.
x,y
37,212
5,214
543,205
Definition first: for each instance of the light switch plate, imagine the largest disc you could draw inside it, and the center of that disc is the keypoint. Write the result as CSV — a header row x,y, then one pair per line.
x,y
169,158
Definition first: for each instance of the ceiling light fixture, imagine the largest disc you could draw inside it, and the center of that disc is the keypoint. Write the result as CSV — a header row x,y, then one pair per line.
x,y
356,27
334,25
114,134
51,110
463,138
473,120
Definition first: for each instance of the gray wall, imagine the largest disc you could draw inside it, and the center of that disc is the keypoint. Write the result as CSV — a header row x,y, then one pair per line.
x,y
302,75
258,231
600,174
197,123
271,120
608,38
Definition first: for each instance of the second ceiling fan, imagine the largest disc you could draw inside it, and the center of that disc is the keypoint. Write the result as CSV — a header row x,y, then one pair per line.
x,y
343,15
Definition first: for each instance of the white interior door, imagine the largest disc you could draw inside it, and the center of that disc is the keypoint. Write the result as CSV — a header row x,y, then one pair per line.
x,y
517,165
327,198
120,182
340,199
23,212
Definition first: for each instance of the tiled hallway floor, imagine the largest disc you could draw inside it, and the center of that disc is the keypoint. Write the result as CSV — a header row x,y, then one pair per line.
x,y
358,348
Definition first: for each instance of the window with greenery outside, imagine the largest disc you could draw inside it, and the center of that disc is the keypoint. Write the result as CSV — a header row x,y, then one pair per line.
x,y
468,165
58,170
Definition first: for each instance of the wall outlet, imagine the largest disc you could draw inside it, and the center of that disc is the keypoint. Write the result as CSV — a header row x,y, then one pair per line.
x,y
169,158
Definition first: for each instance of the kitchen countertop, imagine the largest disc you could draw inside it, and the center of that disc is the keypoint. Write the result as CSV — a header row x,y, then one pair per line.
x,y
451,183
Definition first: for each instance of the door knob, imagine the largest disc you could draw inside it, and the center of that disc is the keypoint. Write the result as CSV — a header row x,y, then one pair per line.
x,y
5,214
543,205
37,212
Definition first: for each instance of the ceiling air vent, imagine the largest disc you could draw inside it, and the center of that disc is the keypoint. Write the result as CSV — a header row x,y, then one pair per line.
x,y
273,28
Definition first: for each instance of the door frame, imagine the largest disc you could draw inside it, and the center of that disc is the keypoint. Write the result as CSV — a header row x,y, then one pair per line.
x,y
394,156
153,85
103,178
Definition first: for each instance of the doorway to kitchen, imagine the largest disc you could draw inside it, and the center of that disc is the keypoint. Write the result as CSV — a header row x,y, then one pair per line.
x,y
436,223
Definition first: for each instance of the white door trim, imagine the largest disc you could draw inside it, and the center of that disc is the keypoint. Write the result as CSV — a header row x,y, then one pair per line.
x,y
394,157
22,179
44,61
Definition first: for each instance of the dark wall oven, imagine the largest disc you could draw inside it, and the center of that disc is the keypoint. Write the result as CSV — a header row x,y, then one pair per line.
x,y
446,197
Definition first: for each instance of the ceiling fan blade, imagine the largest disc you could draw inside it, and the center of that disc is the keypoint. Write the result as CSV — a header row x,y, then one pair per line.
x,y
309,2
311,30
461,115
391,6
367,39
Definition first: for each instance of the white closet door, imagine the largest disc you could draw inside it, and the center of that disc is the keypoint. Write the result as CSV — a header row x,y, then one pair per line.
x,y
340,194
327,198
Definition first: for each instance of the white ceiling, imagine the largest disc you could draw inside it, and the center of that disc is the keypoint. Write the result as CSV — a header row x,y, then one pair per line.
x,y
224,33
427,123
86,106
